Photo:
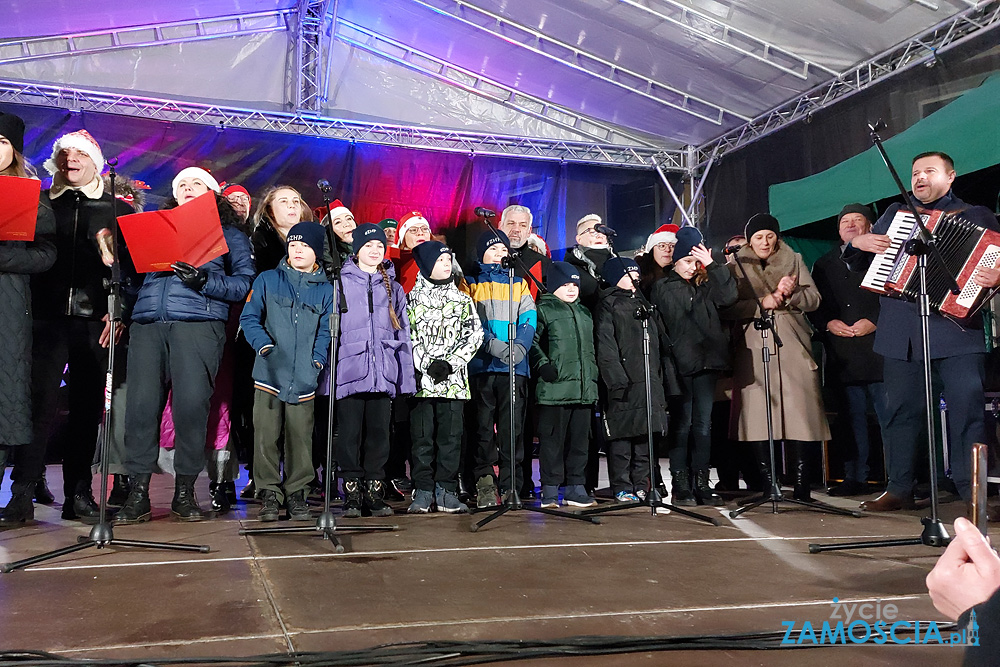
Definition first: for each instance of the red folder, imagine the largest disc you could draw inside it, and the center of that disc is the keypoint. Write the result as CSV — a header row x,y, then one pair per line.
x,y
18,208
190,233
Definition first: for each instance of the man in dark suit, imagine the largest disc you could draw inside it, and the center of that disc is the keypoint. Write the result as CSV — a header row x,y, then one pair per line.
x,y
846,317
958,351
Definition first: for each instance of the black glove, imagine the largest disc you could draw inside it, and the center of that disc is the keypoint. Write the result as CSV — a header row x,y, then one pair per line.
x,y
439,369
191,276
548,373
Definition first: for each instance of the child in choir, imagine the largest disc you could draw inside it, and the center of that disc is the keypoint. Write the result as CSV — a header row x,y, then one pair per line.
x,y
564,362
446,333
286,320
374,365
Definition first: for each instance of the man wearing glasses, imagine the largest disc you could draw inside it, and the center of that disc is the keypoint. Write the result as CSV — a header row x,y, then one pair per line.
x,y
588,255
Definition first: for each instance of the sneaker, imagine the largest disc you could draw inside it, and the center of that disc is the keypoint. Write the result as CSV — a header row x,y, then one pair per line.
x,y
352,499
626,497
269,506
550,497
486,492
641,495
423,502
298,508
576,496
447,501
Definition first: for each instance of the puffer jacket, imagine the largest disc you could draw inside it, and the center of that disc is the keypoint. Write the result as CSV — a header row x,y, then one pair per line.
x,y
443,325
490,291
163,297
565,339
289,310
373,357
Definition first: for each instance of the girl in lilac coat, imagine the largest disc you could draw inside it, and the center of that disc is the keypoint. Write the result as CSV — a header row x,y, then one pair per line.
x,y
374,365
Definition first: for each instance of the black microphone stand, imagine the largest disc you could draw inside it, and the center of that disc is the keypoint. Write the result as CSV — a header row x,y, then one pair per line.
x,y
644,311
512,502
101,535
934,533
765,323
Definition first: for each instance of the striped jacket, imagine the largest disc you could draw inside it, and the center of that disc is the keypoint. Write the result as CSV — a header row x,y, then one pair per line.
x,y
490,291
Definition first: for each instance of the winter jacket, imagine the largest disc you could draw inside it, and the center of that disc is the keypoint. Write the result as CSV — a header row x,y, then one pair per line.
x,y
443,325
287,321
619,342
589,261
565,339
490,292
533,262
373,357
18,260
690,315
163,297
268,248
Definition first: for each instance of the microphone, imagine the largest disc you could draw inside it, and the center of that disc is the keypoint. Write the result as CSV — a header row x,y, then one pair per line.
x,y
732,249
607,231
323,185
485,212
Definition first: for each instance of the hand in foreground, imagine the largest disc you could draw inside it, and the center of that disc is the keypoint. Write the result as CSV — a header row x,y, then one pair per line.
x,y
191,276
839,328
986,277
967,573
876,243
787,285
105,336
702,254
863,327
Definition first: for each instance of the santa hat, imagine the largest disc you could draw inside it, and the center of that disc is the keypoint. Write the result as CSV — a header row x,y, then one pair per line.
x,y
195,172
410,219
230,188
81,141
663,234
336,208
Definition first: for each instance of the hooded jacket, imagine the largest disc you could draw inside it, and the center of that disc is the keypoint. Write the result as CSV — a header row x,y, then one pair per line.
x,y
490,291
565,339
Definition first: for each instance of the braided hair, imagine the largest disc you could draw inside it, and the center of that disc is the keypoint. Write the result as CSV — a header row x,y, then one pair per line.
x,y
388,290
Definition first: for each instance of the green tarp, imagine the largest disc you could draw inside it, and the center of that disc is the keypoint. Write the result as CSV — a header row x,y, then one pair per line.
x,y
968,129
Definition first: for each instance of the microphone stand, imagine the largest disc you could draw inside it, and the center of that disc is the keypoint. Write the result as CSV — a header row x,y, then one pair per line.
x,y
512,502
644,311
934,533
101,535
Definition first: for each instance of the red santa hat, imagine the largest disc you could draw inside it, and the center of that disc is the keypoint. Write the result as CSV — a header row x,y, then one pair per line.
x,y
230,188
336,208
409,220
81,141
664,234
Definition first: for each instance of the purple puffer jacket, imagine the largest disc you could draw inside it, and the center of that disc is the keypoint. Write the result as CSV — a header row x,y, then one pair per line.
x,y
373,357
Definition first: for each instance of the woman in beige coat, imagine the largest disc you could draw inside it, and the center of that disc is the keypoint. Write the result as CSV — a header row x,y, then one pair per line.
x,y
778,277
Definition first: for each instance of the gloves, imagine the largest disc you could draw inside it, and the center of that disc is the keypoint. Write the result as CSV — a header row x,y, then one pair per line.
x,y
266,350
438,370
517,353
548,373
498,349
191,276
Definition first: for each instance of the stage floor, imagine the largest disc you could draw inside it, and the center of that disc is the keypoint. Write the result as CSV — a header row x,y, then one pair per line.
x,y
524,576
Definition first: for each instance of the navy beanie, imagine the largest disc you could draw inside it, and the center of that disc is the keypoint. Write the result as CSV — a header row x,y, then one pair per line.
x,y
490,238
561,273
12,127
687,238
426,255
761,221
365,233
615,268
310,233
858,208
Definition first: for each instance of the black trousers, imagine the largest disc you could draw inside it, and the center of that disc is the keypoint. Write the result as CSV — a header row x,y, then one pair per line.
x,y
186,356
491,392
436,429
563,443
692,433
362,445
628,464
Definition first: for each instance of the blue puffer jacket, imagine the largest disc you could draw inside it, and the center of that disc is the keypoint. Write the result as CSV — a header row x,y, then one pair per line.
x,y
164,298
288,312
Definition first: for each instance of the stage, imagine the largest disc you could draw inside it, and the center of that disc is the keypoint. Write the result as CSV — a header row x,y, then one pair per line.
x,y
524,576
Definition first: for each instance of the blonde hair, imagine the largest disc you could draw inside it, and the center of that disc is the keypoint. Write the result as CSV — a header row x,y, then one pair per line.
x,y
263,212
19,167
388,290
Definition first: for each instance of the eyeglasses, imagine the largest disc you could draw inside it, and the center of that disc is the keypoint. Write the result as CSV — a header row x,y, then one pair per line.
x,y
592,232
663,247
421,228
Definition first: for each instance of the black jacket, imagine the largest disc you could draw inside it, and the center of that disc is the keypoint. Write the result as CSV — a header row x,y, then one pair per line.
x,y
852,361
589,261
268,248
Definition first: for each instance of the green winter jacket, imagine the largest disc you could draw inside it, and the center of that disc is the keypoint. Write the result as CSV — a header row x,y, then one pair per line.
x,y
564,338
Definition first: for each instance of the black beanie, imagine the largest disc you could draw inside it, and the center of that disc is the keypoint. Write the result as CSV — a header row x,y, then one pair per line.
x,y
615,268
426,255
12,127
490,238
559,274
857,208
687,238
365,233
311,233
759,222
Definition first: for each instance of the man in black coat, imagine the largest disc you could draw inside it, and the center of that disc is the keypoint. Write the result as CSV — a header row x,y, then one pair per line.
x,y
958,351
846,317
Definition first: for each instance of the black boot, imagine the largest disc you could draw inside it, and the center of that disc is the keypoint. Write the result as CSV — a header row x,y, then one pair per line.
x,y
703,490
680,488
136,508
42,493
185,504
374,494
269,506
298,508
800,463
82,505
20,509
762,454
119,491
220,497
352,498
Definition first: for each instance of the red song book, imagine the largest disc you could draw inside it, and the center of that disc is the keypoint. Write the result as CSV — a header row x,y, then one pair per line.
x,y
18,208
190,233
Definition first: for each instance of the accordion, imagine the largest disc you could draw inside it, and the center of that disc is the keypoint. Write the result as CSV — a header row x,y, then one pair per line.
x,y
964,246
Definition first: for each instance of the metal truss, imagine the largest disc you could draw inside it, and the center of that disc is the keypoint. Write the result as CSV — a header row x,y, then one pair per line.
x,y
310,42
580,60
922,48
707,27
476,84
220,117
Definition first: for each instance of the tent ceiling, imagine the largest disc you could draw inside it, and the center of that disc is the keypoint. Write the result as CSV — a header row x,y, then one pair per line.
x,y
662,73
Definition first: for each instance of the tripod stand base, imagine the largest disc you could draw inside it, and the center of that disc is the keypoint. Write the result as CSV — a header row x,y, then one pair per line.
x,y
776,497
101,536
514,504
326,526
652,504
934,534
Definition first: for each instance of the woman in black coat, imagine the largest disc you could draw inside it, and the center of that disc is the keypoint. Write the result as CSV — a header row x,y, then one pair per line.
x,y
18,259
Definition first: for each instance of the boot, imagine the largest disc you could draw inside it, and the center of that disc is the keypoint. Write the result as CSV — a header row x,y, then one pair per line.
x,y
136,508
220,497
800,464
703,492
762,454
185,504
297,507
463,491
374,493
119,491
42,493
20,509
269,506
681,489
352,498
82,506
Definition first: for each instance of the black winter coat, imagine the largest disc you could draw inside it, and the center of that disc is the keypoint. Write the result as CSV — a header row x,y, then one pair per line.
x,y
268,248
564,337
691,316
589,261
622,369
19,259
